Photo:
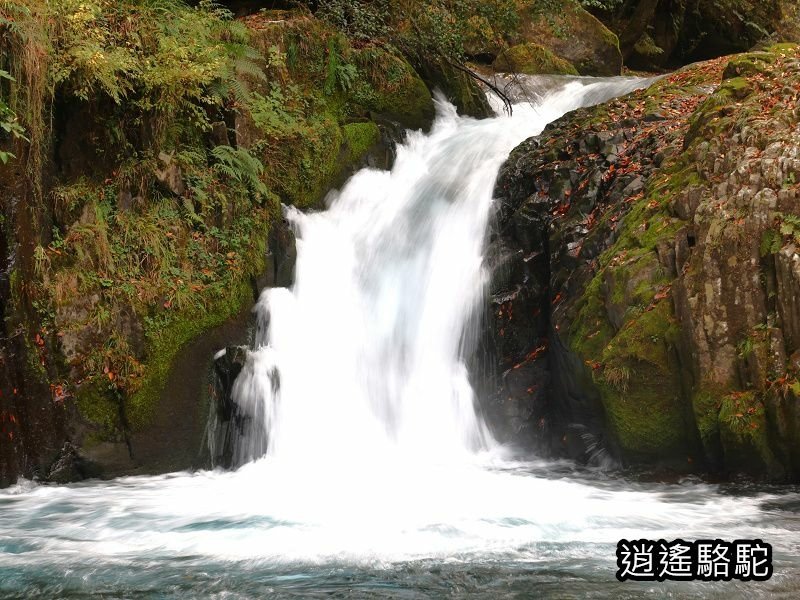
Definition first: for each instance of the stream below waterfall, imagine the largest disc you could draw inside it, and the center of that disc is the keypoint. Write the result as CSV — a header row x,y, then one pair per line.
x,y
366,471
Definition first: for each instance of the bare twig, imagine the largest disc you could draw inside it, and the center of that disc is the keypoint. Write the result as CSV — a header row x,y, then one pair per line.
x,y
506,100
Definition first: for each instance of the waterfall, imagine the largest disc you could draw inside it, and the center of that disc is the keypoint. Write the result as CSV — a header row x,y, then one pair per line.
x,y
365,355
365,470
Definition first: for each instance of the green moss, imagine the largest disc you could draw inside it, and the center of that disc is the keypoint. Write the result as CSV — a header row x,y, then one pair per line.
x,y
645,338
784,48
313,165
480,38
744,434
392,88
459,88
634,367
647,416
646,46
165,339
736,88
706,407
648,425
712,117
591,331
633,282
573,34
610,37
98,404
411,104
749,64
358,139
532,59
297,132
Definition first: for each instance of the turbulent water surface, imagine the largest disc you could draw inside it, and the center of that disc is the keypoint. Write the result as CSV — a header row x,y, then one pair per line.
x,y
366,471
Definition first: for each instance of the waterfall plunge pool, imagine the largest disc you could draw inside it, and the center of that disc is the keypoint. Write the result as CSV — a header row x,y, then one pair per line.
x,y
366,472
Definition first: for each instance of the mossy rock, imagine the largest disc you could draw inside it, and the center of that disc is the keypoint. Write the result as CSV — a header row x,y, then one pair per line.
x,y
359,139
641,389
314,167
744,435
706,406
753,63
648,422
630,286
713,116
459,87
97,404
166,341
647,47
634,369
571,33
481,41
532,59
393,89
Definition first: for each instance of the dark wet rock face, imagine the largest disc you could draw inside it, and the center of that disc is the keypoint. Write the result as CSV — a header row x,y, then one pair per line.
x,y
561,198
645,276
225,417
578,37
280,260
663,33
227,367
71,466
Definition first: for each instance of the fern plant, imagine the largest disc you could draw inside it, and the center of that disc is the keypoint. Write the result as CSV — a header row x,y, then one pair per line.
x,y
238,164
771,243
790,225
338,74
277,113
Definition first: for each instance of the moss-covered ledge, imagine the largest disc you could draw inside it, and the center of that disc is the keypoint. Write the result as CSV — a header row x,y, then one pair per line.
x,y
168,414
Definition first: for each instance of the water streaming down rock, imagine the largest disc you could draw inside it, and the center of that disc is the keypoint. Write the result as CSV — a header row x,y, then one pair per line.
x,y
366,353
357,391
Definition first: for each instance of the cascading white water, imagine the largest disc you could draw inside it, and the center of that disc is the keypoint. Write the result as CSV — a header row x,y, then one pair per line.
x,y
379,479
369,344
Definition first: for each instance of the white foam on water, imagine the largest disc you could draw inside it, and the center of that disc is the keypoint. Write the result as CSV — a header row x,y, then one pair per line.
x,y
369,448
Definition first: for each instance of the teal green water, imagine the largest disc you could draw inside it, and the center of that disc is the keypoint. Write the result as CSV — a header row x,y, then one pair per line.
x,y
110,540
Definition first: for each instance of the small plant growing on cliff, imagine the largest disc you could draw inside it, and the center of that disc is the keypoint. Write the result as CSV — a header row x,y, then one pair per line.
x,y
790,225
746,348
277,113
617,377
772,240
359,19
770,243
339,74
240,165
9,122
